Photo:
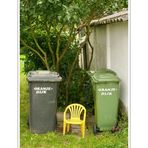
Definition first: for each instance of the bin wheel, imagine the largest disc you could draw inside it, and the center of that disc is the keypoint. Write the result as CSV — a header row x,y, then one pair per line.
x,y
115,128
28,122
94,129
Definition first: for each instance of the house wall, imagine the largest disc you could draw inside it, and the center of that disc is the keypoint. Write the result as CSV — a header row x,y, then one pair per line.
x,y
98,40
118,55
111,51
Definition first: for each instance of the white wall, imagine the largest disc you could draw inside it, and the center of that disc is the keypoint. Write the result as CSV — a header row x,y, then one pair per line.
x,y
111,51
118,55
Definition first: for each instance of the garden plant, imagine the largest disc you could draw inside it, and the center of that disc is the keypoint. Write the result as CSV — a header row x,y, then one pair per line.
x,y
49,31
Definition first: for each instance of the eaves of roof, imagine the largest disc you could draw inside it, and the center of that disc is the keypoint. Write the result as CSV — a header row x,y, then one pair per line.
x,y
116,17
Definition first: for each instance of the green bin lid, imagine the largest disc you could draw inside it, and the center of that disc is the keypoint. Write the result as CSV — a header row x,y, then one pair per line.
x,y
104,75
43,75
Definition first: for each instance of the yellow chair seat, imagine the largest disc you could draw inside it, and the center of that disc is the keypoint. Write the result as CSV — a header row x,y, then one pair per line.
x,y
74,121
75,111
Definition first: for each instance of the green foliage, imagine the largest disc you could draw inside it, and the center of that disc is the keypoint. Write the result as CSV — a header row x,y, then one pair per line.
x,y
48,32
79,90
79,83
116,5
38,13
33,62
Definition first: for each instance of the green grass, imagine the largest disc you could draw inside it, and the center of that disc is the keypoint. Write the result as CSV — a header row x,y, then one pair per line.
x,y
57,140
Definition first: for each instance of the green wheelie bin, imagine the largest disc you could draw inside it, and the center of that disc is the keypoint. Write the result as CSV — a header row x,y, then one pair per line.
x,y
106,93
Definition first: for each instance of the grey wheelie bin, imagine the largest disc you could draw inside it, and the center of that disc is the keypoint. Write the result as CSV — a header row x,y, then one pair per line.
x,y
43,90
106,92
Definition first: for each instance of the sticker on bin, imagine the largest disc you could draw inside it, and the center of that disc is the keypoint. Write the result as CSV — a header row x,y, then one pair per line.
x,y
42,90
107,91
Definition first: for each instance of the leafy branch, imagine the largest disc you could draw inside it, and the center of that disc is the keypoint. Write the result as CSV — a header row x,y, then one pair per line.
x,y
35,51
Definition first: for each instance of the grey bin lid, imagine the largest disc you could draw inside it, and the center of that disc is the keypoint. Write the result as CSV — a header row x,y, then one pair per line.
x,y
43,75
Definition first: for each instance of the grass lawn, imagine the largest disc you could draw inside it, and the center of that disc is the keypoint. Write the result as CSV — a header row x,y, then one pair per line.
x,y
57,140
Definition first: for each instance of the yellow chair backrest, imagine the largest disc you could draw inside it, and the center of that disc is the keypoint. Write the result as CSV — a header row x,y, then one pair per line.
x,y
75,111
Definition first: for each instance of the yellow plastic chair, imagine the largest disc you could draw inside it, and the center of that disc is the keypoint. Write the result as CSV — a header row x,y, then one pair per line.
x,y
77,115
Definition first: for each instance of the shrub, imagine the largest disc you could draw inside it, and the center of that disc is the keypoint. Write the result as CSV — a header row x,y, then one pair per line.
x,y
79,89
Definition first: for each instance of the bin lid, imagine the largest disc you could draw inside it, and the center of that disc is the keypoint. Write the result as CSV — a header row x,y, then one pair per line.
x,y
44,75
104,75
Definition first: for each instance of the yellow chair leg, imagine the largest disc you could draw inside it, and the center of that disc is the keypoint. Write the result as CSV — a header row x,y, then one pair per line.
x,y
68,127
83,130
64,128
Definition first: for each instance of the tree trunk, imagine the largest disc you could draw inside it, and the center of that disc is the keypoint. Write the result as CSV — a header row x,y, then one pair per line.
x,y
69,76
